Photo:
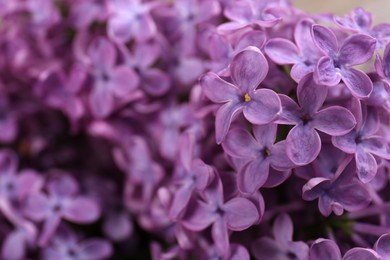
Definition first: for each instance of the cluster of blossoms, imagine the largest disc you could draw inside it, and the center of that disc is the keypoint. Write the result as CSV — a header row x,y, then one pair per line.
x,y
192,129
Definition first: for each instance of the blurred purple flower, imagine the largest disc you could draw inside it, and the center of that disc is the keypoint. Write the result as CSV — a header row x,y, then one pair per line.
x,y
61,202
130,19
65,245
193,175
143,173
360,21
111,81
282,247
235,214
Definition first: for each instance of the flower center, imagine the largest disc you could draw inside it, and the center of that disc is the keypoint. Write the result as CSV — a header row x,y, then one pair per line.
x,y
266,152
306,119
247,98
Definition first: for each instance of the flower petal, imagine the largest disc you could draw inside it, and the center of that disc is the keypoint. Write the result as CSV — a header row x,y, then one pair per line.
x,y
353,196
94,249
282,51
14,246
263,107
251,177
303,145
366,165
124,81
378,146
314,188
382,246
81,210
334,121
283,229
37,206
218,90
181,198
324,249
326,73
248,69
240,143
198,216
224,118
240,214
346,143
358,82
358,253
279,159
252,38
357,49
101,101
265,134
155,82
102,53
220,235
325,39
311,95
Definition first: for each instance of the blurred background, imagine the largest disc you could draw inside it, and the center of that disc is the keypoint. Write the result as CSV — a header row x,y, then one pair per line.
x,y
379,8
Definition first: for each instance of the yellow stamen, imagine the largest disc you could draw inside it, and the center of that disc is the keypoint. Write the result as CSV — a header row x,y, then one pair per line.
x,y
247,98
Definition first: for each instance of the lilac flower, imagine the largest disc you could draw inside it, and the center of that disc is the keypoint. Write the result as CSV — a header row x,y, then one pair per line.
x,y
360,21
222,51
65,245
340,192
182,21
324,249
111,82
130,19
194,175
247,70
152,80
60,91
338,60
364,143
61,202
259,153
236,214
303,55
303,142
143,173
245,13
14,188
281,247
171,120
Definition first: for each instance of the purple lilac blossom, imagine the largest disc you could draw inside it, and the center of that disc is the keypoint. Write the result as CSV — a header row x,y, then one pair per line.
x,y
260,106
338,59
303,143
192,129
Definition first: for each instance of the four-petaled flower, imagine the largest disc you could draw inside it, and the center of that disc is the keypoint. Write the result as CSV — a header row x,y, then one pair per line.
x,y
247,70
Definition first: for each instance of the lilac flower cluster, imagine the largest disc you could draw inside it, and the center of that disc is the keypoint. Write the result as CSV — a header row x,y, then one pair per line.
x,y
192,129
